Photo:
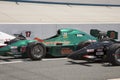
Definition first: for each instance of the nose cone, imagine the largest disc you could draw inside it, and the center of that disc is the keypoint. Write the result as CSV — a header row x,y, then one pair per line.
x,y
74,56
78,55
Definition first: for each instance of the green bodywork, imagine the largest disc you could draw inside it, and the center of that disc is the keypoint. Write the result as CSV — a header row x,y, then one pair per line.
x,y
62,44
66,41
14,48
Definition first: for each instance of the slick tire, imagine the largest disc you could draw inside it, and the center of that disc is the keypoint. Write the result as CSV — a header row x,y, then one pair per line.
x,y
36,51
113,54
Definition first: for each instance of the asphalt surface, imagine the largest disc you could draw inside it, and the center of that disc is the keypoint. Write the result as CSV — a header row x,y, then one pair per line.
x,y
56,69
10,12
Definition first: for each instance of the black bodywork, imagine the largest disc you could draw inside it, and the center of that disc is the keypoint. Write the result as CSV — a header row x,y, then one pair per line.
x,y
105,49
92,49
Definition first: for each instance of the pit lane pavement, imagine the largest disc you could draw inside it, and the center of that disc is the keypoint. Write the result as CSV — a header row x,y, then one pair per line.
x,y
56,69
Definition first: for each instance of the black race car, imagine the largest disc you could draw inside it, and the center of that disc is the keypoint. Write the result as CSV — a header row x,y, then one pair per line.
x,y
105,49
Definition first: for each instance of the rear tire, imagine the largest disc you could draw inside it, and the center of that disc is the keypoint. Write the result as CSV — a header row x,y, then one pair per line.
x,y
36,51
113,54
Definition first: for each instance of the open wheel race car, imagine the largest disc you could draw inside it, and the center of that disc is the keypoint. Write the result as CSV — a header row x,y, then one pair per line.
x,y
18,45
105,49
62,44
65,42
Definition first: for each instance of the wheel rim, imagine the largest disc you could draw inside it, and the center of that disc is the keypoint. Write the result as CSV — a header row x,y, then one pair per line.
x,y
117,55
37,51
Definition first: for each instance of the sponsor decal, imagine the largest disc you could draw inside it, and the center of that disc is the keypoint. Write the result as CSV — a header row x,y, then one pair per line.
x,y
65,35
66,50
57,42
90,50
79,35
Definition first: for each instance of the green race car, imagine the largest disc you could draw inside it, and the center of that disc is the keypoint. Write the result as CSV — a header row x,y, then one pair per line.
x,y
66,41
20,46
62,44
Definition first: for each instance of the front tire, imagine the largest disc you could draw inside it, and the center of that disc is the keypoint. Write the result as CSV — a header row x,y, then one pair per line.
x,y
36,51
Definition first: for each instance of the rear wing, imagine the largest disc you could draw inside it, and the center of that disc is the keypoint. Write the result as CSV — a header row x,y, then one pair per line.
x,y
111,33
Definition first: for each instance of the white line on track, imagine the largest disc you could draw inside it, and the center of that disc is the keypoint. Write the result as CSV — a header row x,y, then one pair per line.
x,y
11,62
54,59
114,79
